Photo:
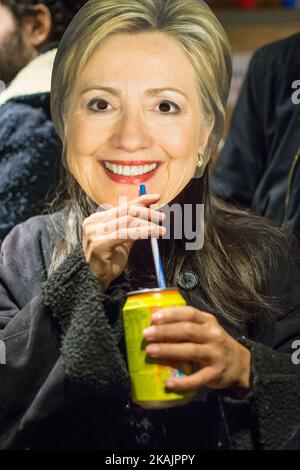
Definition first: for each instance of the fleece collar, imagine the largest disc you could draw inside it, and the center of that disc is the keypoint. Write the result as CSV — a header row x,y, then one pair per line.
x,y
92,336
32,79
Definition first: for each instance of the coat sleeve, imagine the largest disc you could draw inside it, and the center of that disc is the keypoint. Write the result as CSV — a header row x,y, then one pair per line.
x,y
29,148
242,160
29,336
269,416
57,340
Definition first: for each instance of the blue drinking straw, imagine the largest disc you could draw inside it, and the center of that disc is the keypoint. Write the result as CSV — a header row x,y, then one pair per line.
x,y
155,251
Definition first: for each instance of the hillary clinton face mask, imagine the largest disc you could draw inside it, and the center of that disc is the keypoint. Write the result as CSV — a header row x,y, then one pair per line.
x,y
134,118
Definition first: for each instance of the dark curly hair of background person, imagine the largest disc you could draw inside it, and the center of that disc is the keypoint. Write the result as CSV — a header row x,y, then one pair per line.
x,y
62,12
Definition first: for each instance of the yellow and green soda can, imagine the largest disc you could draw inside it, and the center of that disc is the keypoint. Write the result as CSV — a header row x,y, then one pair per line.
x,y
147,378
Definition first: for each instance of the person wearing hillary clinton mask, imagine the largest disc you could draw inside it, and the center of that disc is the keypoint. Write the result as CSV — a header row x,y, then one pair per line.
x,y
138,96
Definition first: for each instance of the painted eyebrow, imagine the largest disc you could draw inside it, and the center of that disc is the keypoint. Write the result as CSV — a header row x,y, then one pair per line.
x,y
117,92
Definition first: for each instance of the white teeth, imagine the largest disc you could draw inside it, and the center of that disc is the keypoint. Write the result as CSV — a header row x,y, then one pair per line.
x,y
129,170
134,171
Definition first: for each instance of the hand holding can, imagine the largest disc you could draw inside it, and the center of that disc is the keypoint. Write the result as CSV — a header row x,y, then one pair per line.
x,y
149,377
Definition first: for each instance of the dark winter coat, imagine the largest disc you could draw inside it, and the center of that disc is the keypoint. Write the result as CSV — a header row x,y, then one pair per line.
x,y
259,165
29,146
66,384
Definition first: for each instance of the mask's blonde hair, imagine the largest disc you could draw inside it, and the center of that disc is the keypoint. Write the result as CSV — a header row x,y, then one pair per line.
x,y
190,22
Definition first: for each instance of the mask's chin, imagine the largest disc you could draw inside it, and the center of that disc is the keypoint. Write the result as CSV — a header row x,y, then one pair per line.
x,y
172,198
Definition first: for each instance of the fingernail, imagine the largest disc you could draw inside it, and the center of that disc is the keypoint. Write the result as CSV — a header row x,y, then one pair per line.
x,y
159,315
151,195
148,332
170,384
152,349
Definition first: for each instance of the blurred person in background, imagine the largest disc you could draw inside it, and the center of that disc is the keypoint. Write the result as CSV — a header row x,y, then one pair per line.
x,y
30,31
259,164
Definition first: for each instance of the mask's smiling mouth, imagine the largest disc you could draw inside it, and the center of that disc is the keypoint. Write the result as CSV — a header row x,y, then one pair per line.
x,y
130,172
